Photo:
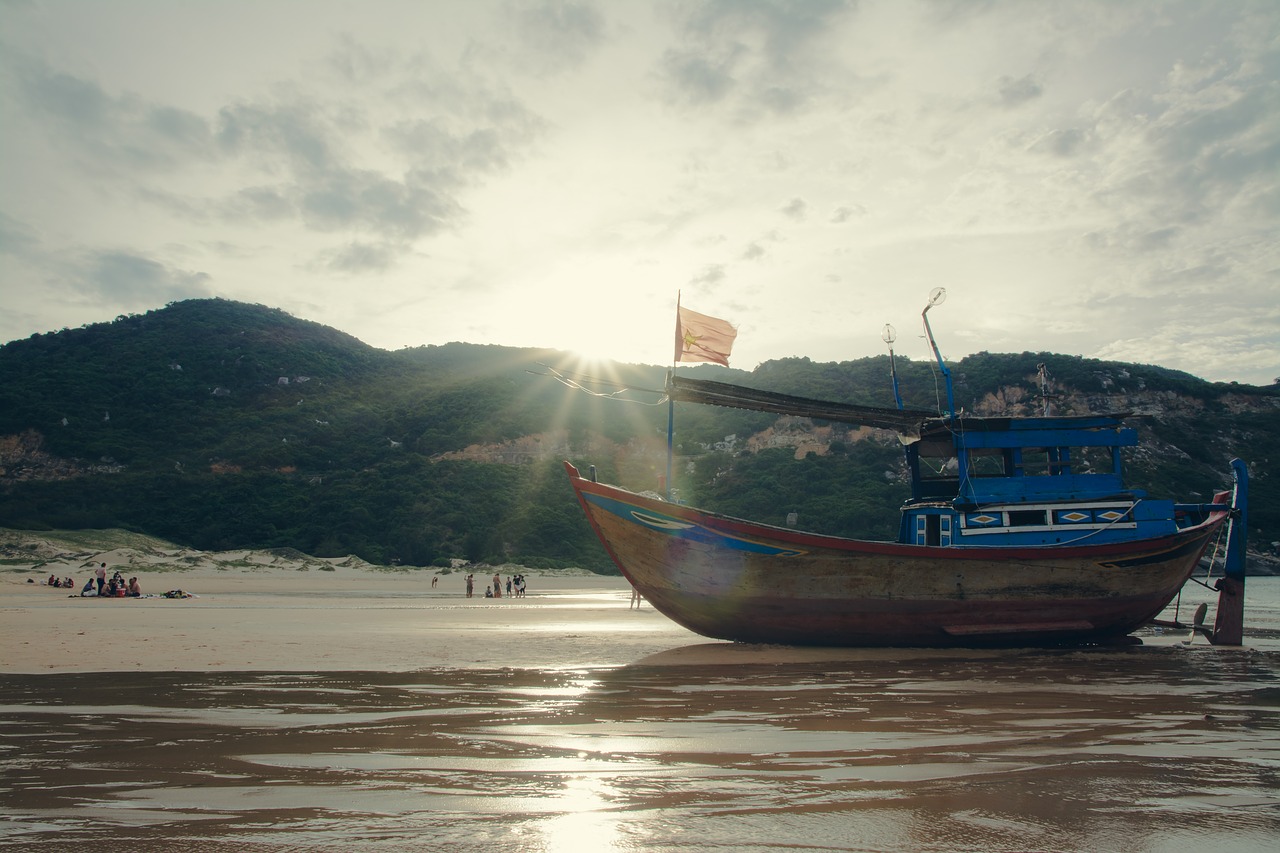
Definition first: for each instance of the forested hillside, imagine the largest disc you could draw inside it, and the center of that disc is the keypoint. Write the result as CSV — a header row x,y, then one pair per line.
x,y
224,425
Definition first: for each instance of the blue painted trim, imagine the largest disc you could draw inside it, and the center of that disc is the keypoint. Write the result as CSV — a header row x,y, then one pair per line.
x,y
679,528
1237,538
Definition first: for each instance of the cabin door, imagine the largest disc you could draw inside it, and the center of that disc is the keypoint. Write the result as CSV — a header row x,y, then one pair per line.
x,y
933,530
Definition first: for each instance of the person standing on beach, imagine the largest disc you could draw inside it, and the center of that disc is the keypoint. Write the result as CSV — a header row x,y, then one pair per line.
x,y
471,584
101,574
497,586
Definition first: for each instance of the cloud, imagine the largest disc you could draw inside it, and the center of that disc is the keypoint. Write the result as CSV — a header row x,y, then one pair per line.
x,y
259,204
366,201
845,212
1193,184
708,277
701,78
554,36
396,180
1017,92
295,135
358,258
17,238
116,134
760,55
123,278
329,166
1124,241
92,275
1223,152
796,209
358,64
454,157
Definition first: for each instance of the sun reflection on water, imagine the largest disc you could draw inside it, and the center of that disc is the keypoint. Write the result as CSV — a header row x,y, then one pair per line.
x,y
589,819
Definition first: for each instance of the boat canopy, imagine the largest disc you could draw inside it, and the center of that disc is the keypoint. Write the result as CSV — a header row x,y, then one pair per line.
x,y
906,422
976,461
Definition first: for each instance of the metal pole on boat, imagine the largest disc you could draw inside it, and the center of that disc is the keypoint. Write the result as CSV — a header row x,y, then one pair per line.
x,y
889,335
936,297
671,429
671,402
1228,622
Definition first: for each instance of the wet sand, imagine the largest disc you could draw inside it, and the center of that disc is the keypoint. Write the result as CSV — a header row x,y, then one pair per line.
x,y
366,712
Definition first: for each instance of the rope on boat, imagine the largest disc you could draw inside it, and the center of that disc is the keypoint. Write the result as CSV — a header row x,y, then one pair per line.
x,y
1208,575
570,382
1212,560
937,392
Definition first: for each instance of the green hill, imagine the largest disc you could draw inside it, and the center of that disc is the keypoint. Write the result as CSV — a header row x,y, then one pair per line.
x,y
222,425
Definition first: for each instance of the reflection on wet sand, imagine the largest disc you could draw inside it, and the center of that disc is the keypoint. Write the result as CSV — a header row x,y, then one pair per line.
x,y
708,747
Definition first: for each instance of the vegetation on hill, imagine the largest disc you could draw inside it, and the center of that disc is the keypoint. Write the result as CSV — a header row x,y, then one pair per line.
x,y
222,425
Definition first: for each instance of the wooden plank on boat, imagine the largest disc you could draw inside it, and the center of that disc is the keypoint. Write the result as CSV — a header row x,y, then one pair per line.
x,y
1018,628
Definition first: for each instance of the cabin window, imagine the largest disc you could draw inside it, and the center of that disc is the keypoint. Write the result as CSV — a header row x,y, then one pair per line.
x,y
1093,460
988,462
938,460
1035,462
938,468
1027,518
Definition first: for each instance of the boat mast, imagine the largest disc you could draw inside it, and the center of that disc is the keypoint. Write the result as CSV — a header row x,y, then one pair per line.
x,y
1047,398
936,297
889,335
671,403
671,429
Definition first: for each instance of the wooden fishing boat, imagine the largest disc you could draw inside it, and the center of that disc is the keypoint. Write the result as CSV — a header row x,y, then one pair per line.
x,y
1019,531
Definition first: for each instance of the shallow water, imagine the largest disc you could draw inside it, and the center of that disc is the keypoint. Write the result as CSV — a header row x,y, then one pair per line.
x,y
1168,746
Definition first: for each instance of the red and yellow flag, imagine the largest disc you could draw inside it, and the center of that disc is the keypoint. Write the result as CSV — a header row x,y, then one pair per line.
x,y
702,338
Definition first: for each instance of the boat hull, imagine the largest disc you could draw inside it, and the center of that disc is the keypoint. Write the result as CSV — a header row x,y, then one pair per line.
x,y
735,580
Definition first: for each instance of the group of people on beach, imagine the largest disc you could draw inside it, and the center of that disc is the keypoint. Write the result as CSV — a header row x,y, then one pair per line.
x,y
515,586
116,587
100,586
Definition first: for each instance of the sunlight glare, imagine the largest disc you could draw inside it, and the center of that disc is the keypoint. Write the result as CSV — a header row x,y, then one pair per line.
x,y
589,819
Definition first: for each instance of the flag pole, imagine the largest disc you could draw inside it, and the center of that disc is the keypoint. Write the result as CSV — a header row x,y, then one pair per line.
x,y
671,428
671,403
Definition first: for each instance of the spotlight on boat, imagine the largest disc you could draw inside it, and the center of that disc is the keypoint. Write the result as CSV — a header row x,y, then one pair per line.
x,y
937,296
889,335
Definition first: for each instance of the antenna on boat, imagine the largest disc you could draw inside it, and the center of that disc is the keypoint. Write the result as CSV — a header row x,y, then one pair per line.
x,y
889,335
936,297
1043,373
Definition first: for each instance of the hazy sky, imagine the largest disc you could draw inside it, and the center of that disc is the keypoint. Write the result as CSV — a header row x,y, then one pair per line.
x,y
1100,179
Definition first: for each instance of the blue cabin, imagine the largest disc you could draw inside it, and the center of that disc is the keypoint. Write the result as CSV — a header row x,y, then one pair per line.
x,y
1018,482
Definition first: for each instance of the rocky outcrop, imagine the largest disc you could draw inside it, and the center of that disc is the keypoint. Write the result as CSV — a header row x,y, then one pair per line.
x,y
22,458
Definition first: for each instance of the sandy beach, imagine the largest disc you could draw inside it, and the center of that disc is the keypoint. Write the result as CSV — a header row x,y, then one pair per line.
x,y
302,704
273,611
